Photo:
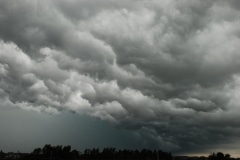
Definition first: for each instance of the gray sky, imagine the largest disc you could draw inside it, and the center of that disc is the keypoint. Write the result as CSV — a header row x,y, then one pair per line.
x,y
128,74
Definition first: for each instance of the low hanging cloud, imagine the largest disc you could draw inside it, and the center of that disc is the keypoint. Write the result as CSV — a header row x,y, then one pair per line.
x,y
168,70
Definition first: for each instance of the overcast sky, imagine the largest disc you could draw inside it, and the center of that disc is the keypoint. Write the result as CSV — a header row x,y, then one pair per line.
x,y
158,74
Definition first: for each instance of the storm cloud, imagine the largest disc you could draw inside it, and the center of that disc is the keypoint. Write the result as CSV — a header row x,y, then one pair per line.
x,y
168,70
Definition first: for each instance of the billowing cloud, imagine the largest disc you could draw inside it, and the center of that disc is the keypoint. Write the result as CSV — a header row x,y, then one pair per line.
x,y
168,70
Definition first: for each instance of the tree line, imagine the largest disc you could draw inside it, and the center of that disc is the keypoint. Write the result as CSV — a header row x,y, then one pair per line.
x,y
59,152
49,152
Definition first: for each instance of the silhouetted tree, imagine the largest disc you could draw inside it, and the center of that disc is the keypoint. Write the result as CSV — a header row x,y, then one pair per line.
x,y
37,151
47,150
2,154
219,156
227,156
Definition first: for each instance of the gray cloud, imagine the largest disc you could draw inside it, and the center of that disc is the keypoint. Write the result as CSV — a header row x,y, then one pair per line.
x,y
167,70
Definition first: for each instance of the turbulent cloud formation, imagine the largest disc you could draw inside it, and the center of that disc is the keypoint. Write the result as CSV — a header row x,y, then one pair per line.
x,y
168,70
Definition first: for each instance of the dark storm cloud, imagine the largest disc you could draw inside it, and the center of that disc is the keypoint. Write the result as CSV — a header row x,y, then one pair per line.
x,y
169,70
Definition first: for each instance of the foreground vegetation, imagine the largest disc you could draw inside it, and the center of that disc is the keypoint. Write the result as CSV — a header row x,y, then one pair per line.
x,y
49,152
